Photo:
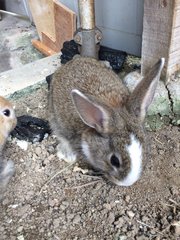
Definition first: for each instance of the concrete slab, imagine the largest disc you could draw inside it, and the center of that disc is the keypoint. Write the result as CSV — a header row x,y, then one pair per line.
x,y
161,102
15,43
28,75
174,91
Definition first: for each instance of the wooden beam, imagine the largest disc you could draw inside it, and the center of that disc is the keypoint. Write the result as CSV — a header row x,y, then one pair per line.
x,y
43,48
43,16
161,35
65,26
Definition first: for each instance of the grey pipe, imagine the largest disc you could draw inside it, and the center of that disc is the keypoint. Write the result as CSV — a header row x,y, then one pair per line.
x,y
88,36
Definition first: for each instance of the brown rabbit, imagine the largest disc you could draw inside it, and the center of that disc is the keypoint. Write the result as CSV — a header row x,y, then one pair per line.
x,y
7,124
93,114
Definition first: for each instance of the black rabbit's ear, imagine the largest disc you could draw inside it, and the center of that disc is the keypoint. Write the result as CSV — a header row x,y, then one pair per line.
x,y
92,114
143,94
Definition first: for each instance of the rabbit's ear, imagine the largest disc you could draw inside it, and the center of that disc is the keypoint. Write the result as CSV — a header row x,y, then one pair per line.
x,y
91,113
143,94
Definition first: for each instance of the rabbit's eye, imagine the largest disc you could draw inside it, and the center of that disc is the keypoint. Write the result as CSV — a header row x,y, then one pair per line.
x,y
115,161
6,112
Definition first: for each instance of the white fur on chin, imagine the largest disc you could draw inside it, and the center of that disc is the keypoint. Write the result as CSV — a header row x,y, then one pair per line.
x,y
85,149
135,153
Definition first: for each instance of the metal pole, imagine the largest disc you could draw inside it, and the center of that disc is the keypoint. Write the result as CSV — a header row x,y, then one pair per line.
x,y
88,36
87,14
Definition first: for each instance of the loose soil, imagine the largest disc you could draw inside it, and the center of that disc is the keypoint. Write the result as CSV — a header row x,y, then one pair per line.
x,y
76,205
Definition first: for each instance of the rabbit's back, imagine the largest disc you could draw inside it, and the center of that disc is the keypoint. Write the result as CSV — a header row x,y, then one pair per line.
x,y
90,77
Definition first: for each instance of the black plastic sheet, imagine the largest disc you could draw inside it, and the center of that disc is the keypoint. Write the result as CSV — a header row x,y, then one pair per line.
x,y
31,129
116,58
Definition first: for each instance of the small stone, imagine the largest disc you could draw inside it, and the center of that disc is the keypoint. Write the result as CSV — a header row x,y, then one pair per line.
x,y
34,156
119,222
65,203
5,201
153,232
20,229
23,210
41,230
21,237
176,228
142,238
29,195
56,222
122,237
12,238
62,207
51,157
78,169
127,198
68,180
2,229
77,219
38,151
111,218
70,217
22,144
52,202
130,214
51,150
107,206
145,219
161,152
174,190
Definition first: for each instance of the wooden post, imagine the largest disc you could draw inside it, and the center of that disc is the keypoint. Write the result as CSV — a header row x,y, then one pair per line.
x,y
161,35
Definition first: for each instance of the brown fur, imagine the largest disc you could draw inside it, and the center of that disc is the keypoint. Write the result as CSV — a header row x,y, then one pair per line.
x,y
7,124
102,87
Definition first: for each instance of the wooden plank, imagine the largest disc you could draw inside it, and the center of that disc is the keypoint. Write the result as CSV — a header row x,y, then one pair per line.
x,y
43,16
65,26
161,35
157,31
43,48
174,48
55,23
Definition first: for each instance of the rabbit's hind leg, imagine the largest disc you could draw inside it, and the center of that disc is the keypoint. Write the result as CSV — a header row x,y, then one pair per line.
x,y
65,151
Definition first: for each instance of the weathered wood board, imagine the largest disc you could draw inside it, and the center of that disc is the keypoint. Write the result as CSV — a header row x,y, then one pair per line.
x,y
161,35
43,16
55,24
65,26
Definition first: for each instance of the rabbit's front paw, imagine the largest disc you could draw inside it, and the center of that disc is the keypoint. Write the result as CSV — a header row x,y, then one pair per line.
x,y
65,151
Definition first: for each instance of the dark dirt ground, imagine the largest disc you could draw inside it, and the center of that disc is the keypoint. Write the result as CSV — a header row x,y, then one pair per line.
x,y
75,205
